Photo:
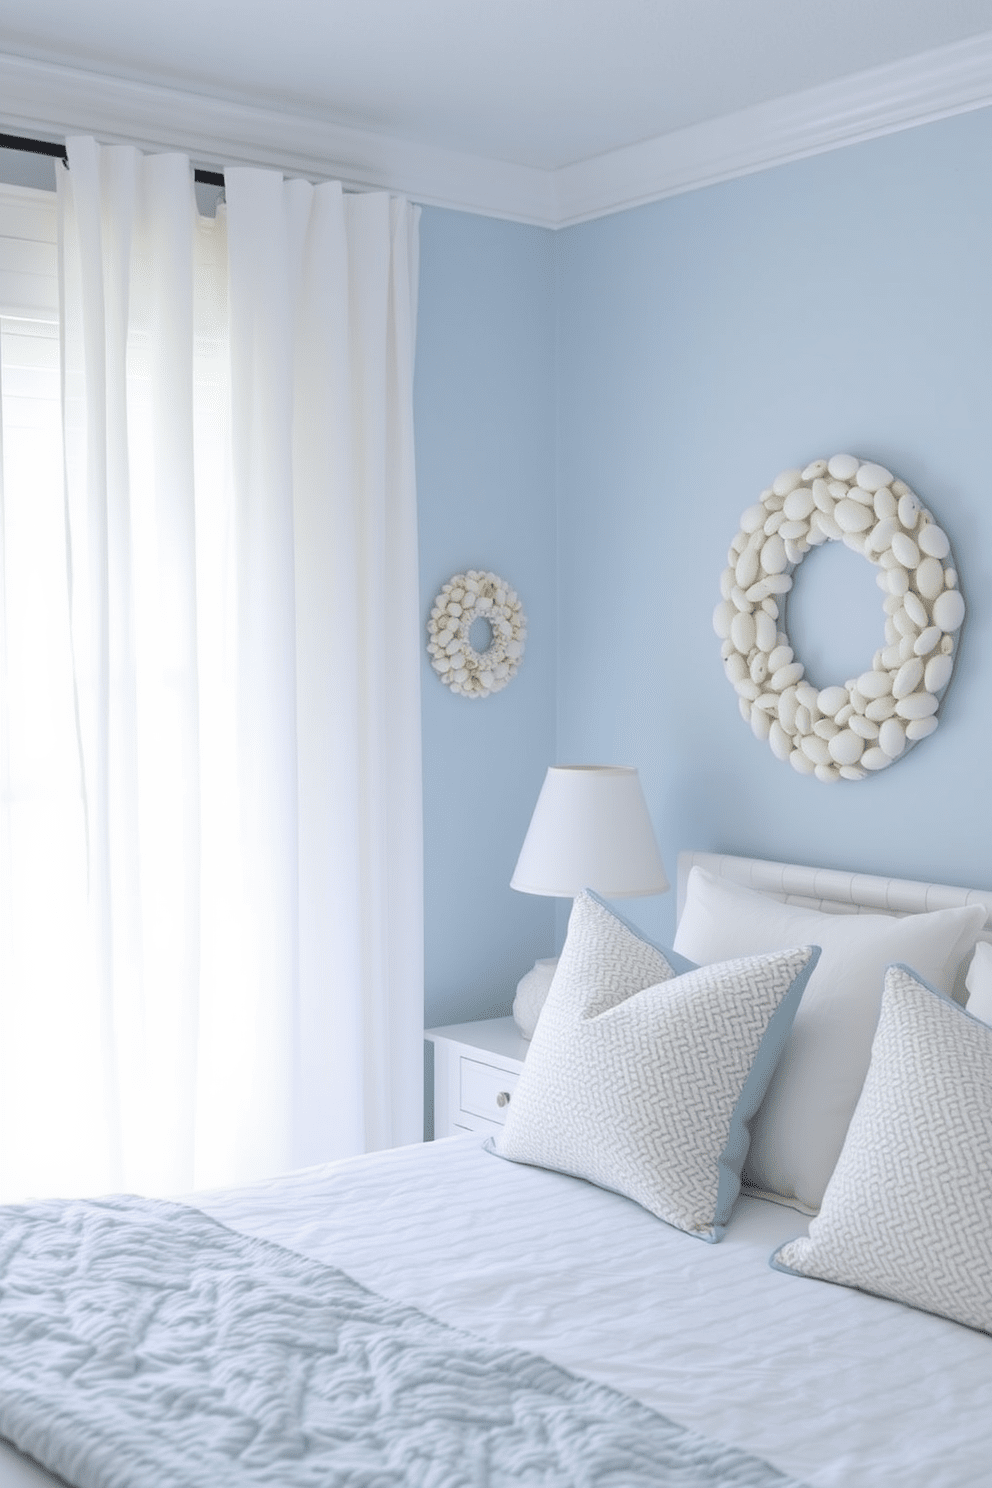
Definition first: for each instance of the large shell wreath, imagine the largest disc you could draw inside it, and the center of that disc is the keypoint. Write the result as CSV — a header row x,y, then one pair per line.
x,y
844,731
463,600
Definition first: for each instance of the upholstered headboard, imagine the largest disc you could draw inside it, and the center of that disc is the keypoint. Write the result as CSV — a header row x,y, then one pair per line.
x,y
835,891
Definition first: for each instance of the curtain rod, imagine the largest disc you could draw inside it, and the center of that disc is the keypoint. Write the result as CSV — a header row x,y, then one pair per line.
x,y
49,147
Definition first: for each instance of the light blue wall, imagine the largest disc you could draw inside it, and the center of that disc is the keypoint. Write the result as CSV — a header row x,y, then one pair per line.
x,y
705,343
484,411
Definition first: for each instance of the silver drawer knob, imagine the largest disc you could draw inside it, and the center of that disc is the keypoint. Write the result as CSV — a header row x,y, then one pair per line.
x,y
503,1099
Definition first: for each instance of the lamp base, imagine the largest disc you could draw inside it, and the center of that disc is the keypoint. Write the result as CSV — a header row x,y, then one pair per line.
x,y
532,989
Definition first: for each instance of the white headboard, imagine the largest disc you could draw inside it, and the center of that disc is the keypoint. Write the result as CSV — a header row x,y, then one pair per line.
x,y
834,891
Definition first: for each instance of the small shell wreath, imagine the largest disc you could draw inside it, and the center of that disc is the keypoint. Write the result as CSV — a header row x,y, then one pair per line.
x,y
464,599
843,731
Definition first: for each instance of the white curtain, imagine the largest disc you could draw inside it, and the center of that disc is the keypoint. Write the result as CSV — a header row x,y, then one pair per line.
x,y
245,626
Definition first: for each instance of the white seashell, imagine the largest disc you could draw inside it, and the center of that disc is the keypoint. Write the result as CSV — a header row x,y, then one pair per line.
x,y
885,503
753,518
787,481
881,708
826,524
773,559
852,772
764,631
888,559
905,550
851,516
793,531
933,540
892,603
815,749
891,658
874,684
929,577
827,773
917,705
948,610
807,695
742,632
740,600
781,744
727,649
927,640
804,720
822,497
759,667
937,673
907,647
882,534
882,580
892,636
771,501
864,727
909,509
859,702
815,471
773,523
846,713
892,738
919,728
872,477
904,625
898,580
831,700
867,498
778,583
786,675
900,487
801,763
844,467
838,489
798,504
788,704
758,592
946,645
454,609
875,759
916,610
760,723
796,552
747,569
745,709
846,748
768,702
856,541
770,607
824,728
816,534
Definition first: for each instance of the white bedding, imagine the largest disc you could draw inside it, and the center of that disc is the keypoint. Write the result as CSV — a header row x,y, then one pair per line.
x,y
830,1386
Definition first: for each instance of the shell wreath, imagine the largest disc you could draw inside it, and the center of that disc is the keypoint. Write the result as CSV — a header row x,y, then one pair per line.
x,y
464,599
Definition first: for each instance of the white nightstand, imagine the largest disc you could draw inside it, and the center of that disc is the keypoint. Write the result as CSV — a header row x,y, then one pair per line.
x,y
476,1066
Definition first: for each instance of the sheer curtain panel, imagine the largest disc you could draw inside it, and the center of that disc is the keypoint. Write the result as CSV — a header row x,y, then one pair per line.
x,y
245,627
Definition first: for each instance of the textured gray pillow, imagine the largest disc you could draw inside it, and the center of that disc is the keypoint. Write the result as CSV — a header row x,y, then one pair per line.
x,y
644,1070
906,1213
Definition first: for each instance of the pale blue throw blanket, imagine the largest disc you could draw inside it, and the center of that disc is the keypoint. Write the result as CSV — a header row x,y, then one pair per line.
x,y
143,1345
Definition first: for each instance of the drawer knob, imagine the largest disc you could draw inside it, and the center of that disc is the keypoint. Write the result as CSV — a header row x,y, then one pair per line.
x,y
503,1099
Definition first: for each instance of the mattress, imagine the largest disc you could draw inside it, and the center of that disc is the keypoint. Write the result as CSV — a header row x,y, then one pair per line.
x,y
831,1386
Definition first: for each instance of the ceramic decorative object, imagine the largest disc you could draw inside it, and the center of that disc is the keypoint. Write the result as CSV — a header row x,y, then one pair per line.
x,y
463,600
850,729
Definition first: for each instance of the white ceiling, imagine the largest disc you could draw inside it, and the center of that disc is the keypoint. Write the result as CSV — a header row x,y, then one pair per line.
x,y
540,85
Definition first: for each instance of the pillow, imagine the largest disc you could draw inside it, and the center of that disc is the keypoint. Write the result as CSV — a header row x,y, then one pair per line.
x,y
979,983
906,1213
797,1135
644,1071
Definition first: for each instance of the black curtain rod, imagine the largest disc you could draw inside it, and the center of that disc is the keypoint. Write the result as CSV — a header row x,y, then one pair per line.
x,y
49,147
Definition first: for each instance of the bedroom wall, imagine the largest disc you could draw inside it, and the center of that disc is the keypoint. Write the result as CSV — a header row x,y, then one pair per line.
x,y
484,413
706,342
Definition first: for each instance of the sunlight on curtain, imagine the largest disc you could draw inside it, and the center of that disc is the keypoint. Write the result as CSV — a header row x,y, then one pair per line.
x,y
212,933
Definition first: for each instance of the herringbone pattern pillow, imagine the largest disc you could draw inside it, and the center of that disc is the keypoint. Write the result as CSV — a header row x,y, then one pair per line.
x,y
908,1211
642,1075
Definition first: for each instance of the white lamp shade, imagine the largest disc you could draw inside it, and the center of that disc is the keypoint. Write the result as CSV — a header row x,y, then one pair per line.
x,y
590,830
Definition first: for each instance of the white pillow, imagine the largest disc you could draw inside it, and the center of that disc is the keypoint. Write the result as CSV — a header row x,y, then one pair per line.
x,y
797,1135
644,1080
906,1213
979,983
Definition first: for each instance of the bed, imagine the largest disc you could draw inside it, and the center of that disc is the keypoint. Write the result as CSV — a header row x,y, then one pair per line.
x,y
554,1312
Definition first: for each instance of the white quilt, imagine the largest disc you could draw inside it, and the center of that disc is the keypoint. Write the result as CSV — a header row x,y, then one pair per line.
x,y
830,1386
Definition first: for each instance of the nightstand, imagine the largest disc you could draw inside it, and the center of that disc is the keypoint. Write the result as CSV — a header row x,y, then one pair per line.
x,y
476,1066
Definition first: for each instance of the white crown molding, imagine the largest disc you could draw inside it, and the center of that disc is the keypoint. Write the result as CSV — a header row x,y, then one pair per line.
x,y
47,99
933,85
40,98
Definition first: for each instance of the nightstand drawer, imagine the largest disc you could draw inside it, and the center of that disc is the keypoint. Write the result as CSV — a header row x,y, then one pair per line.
x,y
485,1090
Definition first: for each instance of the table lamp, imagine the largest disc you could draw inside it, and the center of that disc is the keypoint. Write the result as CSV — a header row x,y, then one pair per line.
x,y
590,830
